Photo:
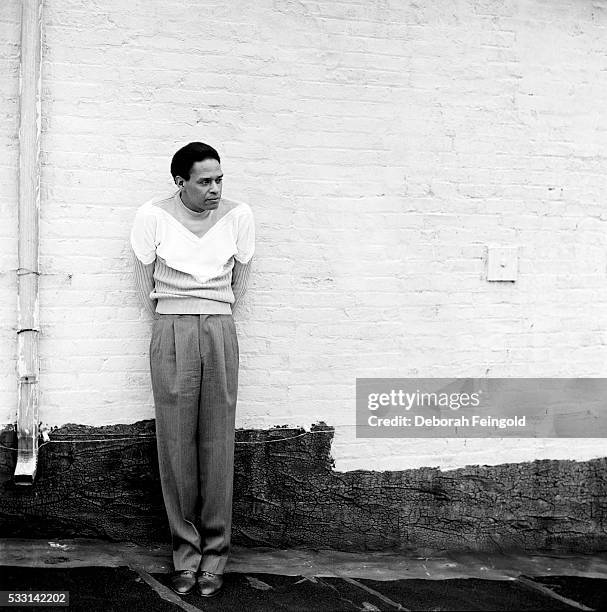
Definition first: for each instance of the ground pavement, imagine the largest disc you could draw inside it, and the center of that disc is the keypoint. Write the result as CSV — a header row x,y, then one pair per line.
x,y
102,576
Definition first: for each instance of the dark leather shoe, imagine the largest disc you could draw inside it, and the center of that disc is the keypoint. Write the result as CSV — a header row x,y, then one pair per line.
x,y
183,581
209,584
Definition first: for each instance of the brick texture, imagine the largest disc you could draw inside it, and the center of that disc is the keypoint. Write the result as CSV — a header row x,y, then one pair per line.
x,y
382,145
10,16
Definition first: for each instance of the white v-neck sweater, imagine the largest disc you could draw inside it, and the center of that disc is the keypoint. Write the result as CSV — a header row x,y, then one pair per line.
x,y
201,261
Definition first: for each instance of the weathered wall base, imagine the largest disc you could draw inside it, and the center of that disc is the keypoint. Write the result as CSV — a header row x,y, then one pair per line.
x,y
288,495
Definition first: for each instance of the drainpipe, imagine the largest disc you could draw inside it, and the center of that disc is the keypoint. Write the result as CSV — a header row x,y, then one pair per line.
x,y
28,365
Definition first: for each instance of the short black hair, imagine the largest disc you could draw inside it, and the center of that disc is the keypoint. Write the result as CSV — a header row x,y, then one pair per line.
x,y
187,156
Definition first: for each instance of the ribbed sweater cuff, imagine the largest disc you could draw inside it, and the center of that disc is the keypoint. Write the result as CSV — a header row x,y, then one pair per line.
x,y
144,282
240,280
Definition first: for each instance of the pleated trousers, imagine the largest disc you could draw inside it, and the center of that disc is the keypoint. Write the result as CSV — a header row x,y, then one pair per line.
x,y
194,368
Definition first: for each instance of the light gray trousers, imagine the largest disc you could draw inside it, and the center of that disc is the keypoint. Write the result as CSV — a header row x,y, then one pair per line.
x,y
194,367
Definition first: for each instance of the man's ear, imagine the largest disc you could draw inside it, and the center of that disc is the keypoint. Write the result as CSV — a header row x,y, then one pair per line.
x,y
179,181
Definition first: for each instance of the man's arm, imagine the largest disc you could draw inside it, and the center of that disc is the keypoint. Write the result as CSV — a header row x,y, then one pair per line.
x,y
143,255
144,281
240,280
245,246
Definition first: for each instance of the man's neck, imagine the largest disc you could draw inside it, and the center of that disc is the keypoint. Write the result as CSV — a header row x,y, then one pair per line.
x,y
199,213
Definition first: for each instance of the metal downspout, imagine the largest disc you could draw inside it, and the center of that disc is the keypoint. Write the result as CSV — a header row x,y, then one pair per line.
x,y
28,365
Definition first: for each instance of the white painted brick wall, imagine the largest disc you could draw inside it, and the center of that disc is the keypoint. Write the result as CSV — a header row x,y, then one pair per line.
x,y
381,145
10,15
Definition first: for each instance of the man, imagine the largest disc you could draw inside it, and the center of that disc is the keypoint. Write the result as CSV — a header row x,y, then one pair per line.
x,y
192,257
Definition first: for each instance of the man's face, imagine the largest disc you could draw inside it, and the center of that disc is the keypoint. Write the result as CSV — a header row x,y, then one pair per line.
x,y
203,189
